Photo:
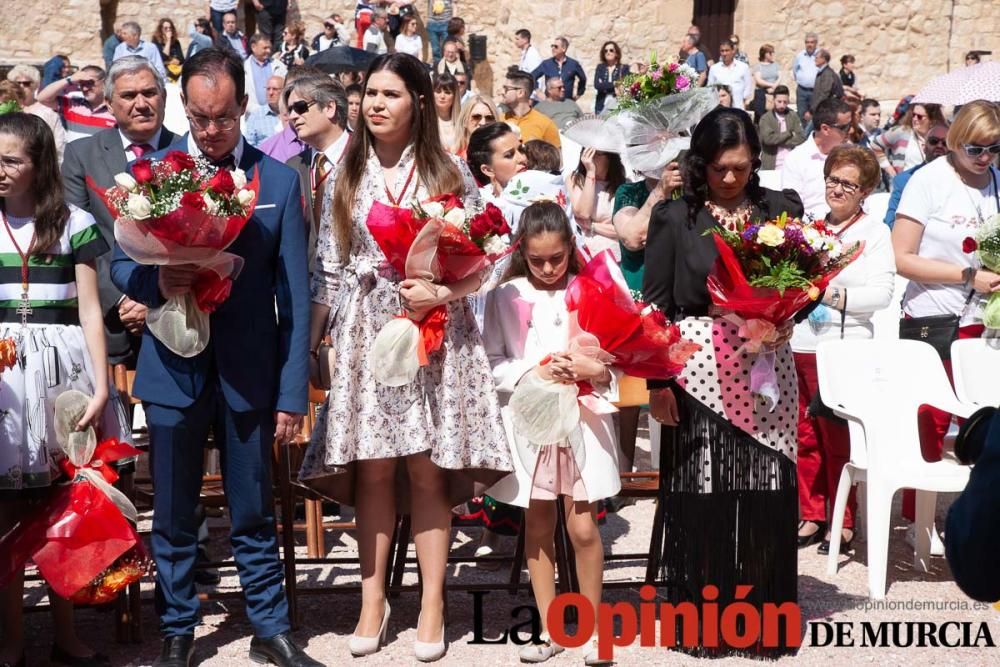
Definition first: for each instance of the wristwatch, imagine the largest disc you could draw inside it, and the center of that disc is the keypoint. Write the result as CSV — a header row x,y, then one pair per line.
x,y
835,298
69,81
968,276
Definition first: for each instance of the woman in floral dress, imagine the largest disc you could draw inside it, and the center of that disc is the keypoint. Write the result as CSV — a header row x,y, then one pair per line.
x,y
439,440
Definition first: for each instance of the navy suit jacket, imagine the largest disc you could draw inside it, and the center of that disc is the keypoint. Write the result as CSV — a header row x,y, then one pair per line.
x,y
261,359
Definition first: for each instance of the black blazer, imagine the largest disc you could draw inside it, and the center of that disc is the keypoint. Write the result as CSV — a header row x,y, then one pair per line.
x,y
679,256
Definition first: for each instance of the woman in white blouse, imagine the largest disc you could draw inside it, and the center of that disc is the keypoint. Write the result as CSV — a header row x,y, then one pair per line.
x,y
408,41
846,311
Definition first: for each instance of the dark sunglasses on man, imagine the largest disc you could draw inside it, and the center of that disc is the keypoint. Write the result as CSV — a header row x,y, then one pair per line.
x,y
301,106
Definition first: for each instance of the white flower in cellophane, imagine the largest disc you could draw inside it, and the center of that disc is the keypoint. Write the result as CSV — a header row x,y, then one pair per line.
x,y
126,181
211,206
244,197
455,216
139,207
835,250
433,209
239,178
495,245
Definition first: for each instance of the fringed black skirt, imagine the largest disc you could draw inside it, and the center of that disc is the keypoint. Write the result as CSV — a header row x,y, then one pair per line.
x,y
730,517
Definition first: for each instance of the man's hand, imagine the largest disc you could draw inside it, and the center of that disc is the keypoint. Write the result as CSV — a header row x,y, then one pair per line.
x,y
133,315
671,180
176,280
286,426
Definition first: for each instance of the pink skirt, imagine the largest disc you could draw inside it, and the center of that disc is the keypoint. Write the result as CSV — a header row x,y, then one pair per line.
x,y
556,475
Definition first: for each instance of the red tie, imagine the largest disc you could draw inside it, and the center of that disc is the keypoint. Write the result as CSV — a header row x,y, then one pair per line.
x,y
139,150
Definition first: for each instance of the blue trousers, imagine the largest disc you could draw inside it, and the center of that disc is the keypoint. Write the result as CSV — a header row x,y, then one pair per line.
x,y
803,96
177,440
437,32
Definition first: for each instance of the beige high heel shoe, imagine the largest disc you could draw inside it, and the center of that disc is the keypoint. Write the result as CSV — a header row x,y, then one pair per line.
x,y
430,651
362,646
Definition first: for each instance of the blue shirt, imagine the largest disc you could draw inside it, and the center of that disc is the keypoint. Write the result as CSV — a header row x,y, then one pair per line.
x,y
804,69
261,73
144,49
568,71
697,61
110,44
262,123
898,183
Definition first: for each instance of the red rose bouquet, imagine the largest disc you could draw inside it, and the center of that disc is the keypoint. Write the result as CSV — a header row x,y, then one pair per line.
x,y
437,241
182,210
765,273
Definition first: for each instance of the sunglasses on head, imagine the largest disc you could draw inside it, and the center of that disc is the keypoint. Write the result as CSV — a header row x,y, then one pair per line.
x,y
973,150
477,117
301,106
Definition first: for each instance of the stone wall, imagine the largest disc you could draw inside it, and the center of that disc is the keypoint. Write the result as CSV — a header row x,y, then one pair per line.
x,y
899,44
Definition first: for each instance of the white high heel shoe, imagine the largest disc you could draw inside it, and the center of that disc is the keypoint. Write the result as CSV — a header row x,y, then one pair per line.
x,y
362,646
429,651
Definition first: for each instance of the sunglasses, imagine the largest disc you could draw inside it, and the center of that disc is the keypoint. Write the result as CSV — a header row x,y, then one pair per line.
x,y
972,150
935,141
25,84
330,25
845,128
301,107
919,116
477,117
848,187
555,46
609,50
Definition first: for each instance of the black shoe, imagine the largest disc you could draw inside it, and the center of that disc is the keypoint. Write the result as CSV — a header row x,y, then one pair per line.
x,y
177,651
845,545
812,538
280,650
61,657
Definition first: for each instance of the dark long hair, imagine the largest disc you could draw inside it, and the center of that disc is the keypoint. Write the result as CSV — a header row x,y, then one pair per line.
x,y
480,150
433,167
51,212
615,175
723,128
539,218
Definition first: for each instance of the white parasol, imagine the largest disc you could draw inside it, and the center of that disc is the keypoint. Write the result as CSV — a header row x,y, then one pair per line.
x,y
978,82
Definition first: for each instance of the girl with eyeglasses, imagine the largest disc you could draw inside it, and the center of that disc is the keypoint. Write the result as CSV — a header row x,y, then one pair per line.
x,y
902,147
609,72
478,111
851,174
941,206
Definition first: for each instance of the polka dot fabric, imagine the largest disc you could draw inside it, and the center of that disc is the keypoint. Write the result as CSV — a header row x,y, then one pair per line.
x,y
718,376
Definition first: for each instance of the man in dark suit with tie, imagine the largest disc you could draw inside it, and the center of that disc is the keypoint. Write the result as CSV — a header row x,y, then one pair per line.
x,y
136,95
248,386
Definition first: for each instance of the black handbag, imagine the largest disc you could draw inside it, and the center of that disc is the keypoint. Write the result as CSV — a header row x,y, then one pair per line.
x,y
940,331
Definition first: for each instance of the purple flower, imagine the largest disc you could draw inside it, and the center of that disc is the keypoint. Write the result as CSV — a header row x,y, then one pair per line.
x,y
682,82
750,233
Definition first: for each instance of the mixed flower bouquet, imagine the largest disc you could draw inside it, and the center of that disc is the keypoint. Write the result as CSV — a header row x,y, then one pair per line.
x,y
765,273
986,245
182,210
656,111
607,324
83,539
436,241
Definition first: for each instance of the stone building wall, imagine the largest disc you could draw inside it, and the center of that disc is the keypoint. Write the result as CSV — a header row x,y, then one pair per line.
x,y
899,44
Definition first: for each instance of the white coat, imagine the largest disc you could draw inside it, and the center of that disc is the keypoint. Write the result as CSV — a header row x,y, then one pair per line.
x,y
519,331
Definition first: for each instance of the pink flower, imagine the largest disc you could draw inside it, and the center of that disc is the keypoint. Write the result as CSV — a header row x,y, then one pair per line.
x,y
672,67
682,82
656,74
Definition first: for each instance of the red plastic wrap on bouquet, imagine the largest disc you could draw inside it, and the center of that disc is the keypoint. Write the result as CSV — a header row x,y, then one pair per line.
x,y
78,535
643,343
731,291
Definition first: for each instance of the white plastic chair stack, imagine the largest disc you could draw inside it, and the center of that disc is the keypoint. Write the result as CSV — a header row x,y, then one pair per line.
x,y
975,365
878,386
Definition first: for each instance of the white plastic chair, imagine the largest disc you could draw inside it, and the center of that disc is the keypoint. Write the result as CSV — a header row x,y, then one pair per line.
x,y
975,366
878,386
886,321
770,179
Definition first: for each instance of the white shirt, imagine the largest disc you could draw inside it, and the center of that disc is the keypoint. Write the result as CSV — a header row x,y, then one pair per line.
x,y
803,172
374,41
126,142
946,207
335,151
736,76
223,5
237,153
411,44
530,59
868,281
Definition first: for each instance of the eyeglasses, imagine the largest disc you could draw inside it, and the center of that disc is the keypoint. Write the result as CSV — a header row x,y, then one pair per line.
x,y
935,141
972,150
919,116
478,117
509,88
11,166
300,107
848,187
221,124
26,83
845,128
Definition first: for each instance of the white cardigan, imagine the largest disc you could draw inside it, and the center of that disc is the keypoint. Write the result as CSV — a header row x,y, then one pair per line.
x,y
519,331
869,281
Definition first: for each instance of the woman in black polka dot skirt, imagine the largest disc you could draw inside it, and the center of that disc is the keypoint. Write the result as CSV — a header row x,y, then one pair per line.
x,y
727,475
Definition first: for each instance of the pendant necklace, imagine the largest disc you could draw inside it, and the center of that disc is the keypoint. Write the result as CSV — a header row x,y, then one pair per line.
x,y
24,307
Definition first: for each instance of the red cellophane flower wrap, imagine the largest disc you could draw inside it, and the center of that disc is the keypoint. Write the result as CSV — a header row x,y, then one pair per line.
x,y
606,324
437,242
181,210
759,311
83,540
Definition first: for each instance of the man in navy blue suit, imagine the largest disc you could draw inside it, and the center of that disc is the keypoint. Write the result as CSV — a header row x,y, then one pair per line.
x,y
248,386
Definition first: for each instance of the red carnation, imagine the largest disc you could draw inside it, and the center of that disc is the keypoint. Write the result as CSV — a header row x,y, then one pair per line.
x,y
179,161
142,172
969,244
498,223
480,227
193,200
222,182
448,200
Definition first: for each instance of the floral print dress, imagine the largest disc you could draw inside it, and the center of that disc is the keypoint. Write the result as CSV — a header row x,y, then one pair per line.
x,y
450,410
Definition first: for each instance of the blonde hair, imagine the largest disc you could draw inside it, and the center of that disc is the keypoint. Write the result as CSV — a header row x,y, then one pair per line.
x,y
976,123
463,120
